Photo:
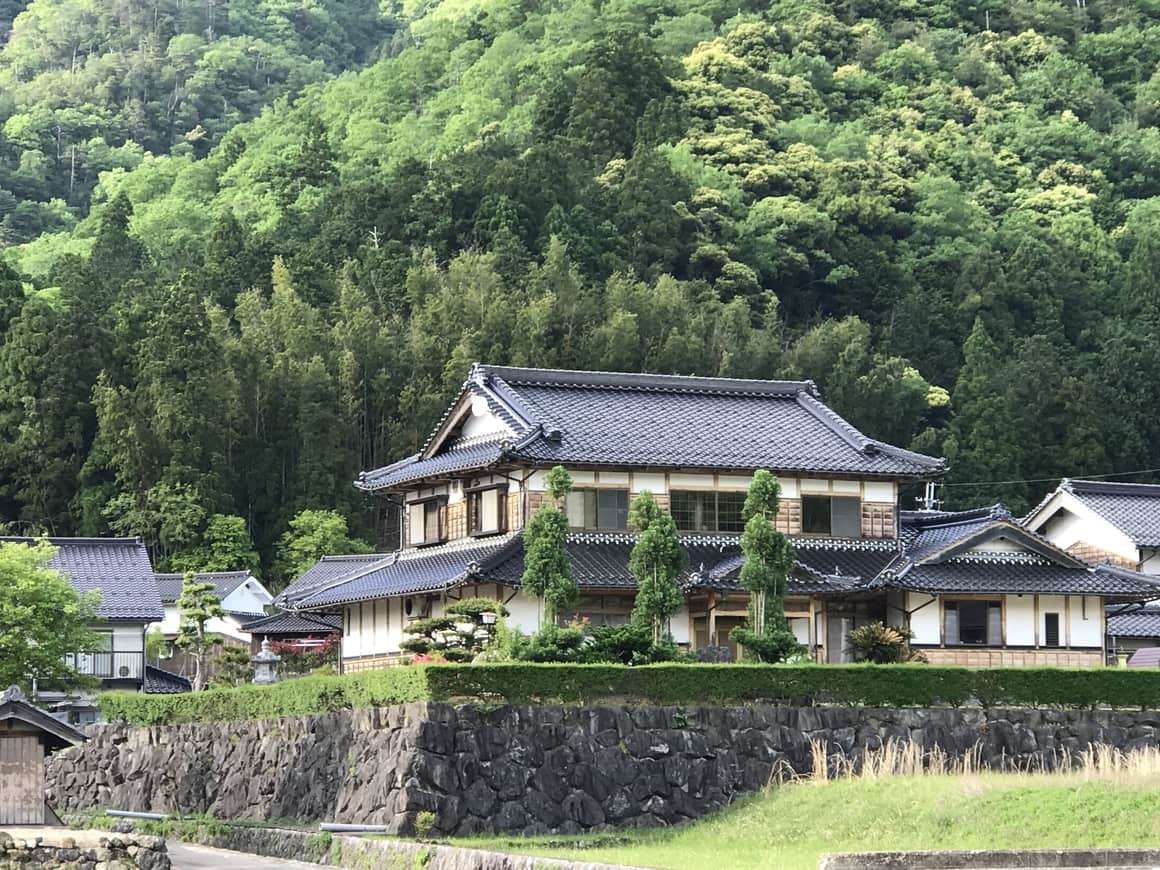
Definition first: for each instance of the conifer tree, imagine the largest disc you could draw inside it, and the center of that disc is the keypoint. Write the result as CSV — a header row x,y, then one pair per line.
x,y
197,604
547,572
768,561
656,561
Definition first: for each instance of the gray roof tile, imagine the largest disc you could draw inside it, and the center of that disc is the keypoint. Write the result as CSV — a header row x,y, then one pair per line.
x,y
1144,622
287,622
1133,508
118,568
162,682
659,421
224,583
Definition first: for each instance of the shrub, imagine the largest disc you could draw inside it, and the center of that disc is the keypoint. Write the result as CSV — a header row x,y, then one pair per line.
x,y
883,644
776,644
526,682
476,607
552,643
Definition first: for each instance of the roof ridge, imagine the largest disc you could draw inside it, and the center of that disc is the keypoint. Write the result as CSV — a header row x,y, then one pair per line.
x,y
645,381
66,539
1110,487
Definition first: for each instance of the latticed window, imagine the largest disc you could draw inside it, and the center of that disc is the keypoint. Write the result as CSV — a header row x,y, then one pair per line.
x,y
697,511
598,509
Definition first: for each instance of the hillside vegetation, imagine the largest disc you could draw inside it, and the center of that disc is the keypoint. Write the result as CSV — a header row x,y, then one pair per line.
x,y
944,212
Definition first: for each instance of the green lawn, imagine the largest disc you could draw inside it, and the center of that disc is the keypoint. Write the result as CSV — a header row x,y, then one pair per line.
x,y
791,826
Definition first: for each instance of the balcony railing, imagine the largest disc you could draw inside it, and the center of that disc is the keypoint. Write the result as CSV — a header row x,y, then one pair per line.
x,y
109,665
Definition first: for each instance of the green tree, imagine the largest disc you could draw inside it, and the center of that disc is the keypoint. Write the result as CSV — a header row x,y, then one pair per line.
x,y
313,534
43,620
656,561
768,561
197,604
547,571
225,546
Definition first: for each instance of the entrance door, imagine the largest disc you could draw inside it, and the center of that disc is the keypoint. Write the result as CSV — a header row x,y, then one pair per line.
x,y
838,630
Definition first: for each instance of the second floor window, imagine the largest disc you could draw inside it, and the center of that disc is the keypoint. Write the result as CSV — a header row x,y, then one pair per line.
x,y
696,511
425,521
832,515
485,510
598,509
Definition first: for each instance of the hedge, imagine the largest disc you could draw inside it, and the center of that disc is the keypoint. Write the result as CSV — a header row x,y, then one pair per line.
x,y
860,685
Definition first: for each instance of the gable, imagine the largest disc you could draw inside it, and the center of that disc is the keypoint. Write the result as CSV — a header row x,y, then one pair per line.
x,y
1071,524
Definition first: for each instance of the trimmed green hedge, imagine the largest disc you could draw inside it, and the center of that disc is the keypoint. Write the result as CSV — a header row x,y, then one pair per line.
x,y
861,685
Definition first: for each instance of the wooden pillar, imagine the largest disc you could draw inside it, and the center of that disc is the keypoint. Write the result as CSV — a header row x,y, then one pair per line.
x,y
1037,622
712,619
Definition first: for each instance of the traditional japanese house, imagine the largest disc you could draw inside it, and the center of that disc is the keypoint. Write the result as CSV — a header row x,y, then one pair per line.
x,y
694,443
1106,522
27,735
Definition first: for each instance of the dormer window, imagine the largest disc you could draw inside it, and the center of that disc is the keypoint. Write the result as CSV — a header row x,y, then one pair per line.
x,y
425,522
485,510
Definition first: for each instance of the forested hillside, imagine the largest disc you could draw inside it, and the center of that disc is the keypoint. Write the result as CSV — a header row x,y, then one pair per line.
x,y
945,212
91,85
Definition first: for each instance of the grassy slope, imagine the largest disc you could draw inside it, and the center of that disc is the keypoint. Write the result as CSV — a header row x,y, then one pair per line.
x,y
790,827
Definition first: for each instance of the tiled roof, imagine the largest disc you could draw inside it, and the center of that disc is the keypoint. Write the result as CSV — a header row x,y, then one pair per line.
x,y
224,583
657,421
1133,508
294,623
15,707
1144,622
969,551
985,550
118,568
1145,657
430,569
162,682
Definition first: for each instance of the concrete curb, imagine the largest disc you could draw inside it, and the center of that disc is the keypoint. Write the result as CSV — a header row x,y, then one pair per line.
x,y
992,859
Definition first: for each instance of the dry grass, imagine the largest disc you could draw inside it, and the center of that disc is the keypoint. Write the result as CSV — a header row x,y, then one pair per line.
x,y
905,758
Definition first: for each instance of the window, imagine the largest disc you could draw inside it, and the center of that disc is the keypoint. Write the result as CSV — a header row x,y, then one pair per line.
x,y
707,511
1051,629
485,510
832,515
598,509
426,522
973,623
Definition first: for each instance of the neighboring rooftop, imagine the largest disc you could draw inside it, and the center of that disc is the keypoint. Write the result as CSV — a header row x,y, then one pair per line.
x,y
224,583
118,568
15,707
1134,622
1133,508
985,550
286,622
658,421
159,681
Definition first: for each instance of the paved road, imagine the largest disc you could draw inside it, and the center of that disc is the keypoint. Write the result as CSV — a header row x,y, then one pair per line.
x,y
186,856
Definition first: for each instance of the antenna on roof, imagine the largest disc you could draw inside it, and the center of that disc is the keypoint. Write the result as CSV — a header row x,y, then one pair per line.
x,y
927,501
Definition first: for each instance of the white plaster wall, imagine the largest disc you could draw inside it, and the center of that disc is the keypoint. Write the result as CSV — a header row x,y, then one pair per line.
x,y
1066,521
789,487
846,487
733,483
525,613
1151,562
1020,616
679,625
482,421
654,483
129,638
249,597
613,478
878,492
809,484
1085,620
227,625
924,623
693,481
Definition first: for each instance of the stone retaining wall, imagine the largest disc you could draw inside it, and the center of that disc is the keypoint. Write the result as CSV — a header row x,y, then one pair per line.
x,y
465,770
84,851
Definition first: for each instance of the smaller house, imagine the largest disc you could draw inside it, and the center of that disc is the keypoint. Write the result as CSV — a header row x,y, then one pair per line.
x,y
304,629
1104,522
242,596
119,569
1100,521
27,735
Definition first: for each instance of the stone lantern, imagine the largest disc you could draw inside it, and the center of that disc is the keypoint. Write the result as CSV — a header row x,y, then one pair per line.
x,y
265,665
